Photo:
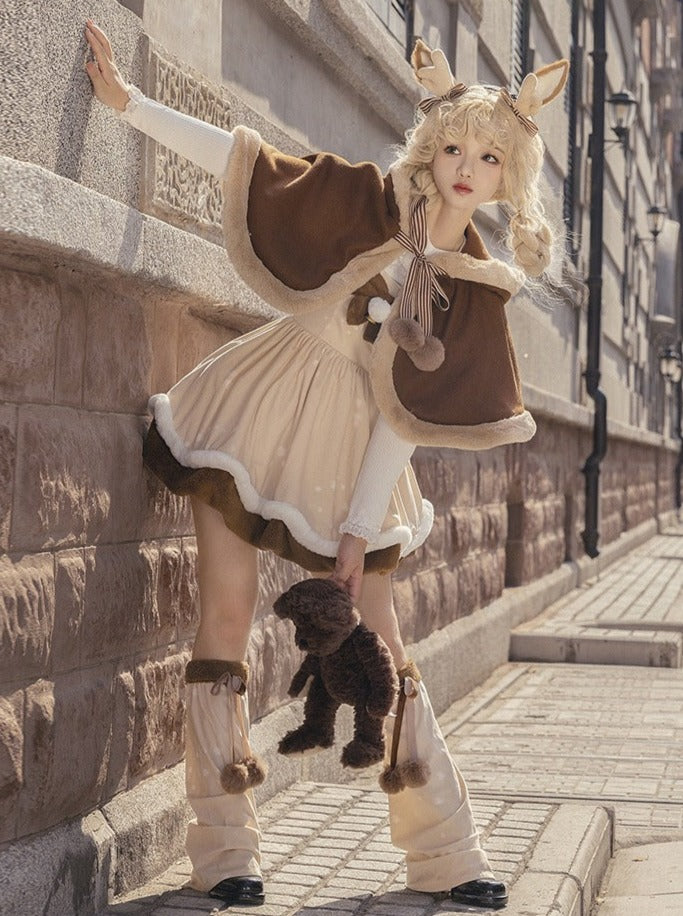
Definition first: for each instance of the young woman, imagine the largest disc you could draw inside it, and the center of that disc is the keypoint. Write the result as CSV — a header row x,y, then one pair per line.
x,y
297,437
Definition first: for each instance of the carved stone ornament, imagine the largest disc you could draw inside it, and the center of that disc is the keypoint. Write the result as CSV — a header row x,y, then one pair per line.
x,y
175,189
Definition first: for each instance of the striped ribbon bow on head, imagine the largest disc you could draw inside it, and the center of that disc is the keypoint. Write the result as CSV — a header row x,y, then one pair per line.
x,y
529,126
453,93
421,289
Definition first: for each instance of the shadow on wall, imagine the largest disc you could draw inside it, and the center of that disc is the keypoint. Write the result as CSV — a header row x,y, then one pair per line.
x,y
74,121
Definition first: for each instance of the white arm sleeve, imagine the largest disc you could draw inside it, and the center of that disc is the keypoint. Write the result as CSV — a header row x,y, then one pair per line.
x,y
206,145
385,458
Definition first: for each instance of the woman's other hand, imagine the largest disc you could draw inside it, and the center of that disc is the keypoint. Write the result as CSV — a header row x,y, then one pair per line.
x,y
348,573
107,83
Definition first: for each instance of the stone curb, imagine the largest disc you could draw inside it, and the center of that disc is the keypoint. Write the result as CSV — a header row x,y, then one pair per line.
x,y
576,848
155,811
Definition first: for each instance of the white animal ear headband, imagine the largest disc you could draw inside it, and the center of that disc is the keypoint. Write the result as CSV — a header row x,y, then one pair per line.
x,y
432,71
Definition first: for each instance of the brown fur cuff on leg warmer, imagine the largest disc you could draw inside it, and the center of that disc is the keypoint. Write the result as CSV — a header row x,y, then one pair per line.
x,y
209,670
250,771
411,670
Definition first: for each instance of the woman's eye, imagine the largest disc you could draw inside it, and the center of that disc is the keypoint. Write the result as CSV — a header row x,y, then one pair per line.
x,y
489,157
452,149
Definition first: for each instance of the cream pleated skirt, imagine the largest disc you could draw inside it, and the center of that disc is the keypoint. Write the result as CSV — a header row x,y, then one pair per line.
x,y
272,429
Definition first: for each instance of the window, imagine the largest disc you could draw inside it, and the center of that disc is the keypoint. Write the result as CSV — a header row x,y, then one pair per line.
x,y
396,16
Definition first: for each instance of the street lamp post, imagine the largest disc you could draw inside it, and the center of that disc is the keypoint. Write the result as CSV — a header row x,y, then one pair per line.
x,y
622,109
655,219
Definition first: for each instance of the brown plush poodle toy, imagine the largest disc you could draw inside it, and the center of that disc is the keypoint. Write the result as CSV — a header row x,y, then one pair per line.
x,y
348,663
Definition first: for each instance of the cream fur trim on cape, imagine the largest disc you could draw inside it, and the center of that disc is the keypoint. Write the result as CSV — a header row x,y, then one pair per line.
x,y
359,269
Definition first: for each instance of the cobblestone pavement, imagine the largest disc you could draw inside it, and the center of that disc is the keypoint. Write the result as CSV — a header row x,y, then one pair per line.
x,y
543,748
327,850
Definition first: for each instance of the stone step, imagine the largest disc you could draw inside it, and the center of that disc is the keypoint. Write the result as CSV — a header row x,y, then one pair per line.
x,y
557,641
630,615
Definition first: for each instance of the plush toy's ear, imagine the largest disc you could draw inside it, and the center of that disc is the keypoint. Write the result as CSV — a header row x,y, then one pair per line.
x,y
541,87
431,69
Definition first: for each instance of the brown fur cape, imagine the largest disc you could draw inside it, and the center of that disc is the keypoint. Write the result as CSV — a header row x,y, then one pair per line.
x,y
309,232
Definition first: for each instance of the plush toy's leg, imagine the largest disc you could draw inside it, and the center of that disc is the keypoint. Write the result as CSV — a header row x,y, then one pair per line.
x,y
367,746
317,729
223,841
432,821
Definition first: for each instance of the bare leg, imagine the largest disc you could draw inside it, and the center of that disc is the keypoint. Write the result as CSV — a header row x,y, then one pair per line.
x,y
376,606
227,572
223,842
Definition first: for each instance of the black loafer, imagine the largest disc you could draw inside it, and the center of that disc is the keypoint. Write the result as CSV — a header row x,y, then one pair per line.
x,y
246,890
483,892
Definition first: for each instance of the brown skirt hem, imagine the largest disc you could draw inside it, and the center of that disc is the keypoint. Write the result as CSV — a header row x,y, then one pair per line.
x,y
218,489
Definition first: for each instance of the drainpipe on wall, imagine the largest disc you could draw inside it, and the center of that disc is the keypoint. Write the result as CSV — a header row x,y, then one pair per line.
x,y
679,435
409,13
591,468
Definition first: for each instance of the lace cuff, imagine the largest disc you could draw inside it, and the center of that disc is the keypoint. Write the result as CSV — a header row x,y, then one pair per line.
x,y
135,98
359,530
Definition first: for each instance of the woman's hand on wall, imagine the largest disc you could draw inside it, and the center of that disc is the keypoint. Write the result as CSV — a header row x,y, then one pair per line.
x,y
348,573
108,84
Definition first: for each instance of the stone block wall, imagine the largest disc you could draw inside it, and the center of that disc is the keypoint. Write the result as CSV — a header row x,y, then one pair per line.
x,y
99,599
96,576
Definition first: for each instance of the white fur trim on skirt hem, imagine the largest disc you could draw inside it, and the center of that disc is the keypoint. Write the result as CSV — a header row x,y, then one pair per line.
x,y
408,539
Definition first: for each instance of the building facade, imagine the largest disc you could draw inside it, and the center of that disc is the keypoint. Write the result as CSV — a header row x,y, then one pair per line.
x,y
113,284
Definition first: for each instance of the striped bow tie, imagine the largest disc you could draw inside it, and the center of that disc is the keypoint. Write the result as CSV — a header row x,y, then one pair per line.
x,y
421,289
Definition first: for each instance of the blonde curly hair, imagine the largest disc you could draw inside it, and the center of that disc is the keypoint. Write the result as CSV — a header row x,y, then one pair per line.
x,y
480,113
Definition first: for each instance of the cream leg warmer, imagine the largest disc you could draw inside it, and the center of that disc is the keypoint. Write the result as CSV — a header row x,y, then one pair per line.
x,y
220,769
432,822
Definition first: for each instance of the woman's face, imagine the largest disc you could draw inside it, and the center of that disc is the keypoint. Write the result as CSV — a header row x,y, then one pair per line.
x,y
467,171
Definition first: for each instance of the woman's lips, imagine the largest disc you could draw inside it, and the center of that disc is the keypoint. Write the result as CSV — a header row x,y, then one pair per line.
x,y
462,188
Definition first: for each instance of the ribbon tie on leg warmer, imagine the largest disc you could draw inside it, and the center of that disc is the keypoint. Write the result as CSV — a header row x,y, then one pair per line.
x,y
249,771
412,328
410,773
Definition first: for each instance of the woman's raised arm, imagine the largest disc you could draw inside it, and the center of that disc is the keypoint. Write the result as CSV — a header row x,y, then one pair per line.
x,y
205,144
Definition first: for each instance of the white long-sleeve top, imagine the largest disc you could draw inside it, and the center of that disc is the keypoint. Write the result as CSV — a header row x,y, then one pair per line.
x,y
209,147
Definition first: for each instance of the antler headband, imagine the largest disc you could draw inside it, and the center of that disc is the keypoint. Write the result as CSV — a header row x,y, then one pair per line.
x,y
432,71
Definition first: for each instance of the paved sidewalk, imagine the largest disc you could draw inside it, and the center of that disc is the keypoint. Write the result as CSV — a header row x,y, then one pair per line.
x,y
563,762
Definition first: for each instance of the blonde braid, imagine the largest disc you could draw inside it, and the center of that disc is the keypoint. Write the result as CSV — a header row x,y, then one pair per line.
x,y
531,240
